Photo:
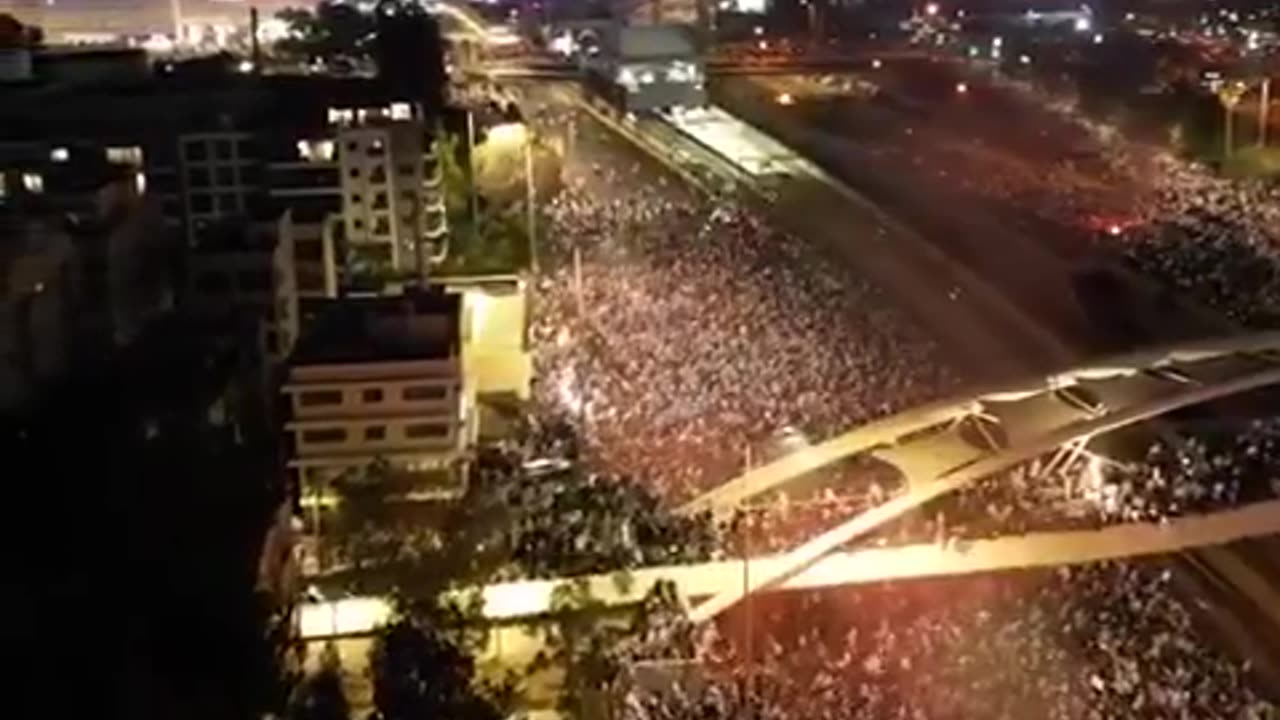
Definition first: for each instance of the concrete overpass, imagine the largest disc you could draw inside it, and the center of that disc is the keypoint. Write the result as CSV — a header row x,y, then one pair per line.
x,y
937,455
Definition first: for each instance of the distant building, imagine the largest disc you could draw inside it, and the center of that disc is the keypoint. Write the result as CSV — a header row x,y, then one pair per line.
x,y
241,284
690,13
39,290
379,380
77,234
649,68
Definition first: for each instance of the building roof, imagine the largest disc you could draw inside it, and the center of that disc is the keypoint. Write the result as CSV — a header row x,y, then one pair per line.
x,y
415,326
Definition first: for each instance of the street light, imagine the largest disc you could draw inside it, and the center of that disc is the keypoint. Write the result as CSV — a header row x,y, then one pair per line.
x,y
1230,96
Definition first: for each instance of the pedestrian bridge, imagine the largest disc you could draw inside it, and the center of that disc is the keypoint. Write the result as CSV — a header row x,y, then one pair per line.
x,y
940,448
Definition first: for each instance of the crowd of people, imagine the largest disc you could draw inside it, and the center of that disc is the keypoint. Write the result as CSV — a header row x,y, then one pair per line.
x,y
1199,233
676,336
575,522
1100,642
1078,185
688,332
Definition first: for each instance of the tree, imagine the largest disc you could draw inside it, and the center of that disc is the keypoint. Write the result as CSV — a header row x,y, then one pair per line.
x,y
583,641
418,673
333,30
321,697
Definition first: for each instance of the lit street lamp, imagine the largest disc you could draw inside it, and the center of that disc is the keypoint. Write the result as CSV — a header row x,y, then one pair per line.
x,y
1230,96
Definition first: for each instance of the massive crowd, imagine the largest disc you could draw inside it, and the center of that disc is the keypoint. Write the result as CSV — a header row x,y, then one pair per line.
x,y
683,335
1096,642
1213,238
1077,184
690,332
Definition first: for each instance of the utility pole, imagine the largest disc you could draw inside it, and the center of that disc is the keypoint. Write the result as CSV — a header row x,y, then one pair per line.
x,y
531,202
472,198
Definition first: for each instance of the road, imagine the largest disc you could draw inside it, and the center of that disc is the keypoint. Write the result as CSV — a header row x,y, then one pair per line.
x,y
961,170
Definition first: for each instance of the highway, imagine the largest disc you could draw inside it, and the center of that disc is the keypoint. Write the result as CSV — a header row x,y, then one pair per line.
x,y
1006,314
1029,261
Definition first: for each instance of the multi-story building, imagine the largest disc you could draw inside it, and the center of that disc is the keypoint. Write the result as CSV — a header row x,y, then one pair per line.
x,y
241,283
392,206
379,380
216,144
38,293
95,200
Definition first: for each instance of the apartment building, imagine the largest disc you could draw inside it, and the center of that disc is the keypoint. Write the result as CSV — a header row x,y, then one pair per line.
x,y
241,283
380,379
392,204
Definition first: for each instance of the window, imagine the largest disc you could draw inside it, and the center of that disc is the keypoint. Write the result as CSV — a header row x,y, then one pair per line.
x,y
228,203
212,283
424,392
226,176
379,174
316,150
405,169
195,150
254,281
314,398
380,201
328,435
353,145
312,250
425,430
223,149
354,172
201,203
198,177
355,198
131,155
401,111
375,433
377,148
382,226
33,182
59,154
340,116
372,395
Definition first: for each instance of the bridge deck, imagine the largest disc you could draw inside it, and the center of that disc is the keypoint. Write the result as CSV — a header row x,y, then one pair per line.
x,y
516,600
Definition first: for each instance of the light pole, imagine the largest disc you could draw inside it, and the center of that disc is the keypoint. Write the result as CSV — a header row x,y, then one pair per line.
x,y
531,203
1264,111
1230,96
472,198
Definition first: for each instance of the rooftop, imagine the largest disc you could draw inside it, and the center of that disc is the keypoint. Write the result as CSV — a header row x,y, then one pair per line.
x,y
415,326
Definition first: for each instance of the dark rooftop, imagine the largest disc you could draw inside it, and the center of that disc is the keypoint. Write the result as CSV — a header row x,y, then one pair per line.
x,y
415,326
